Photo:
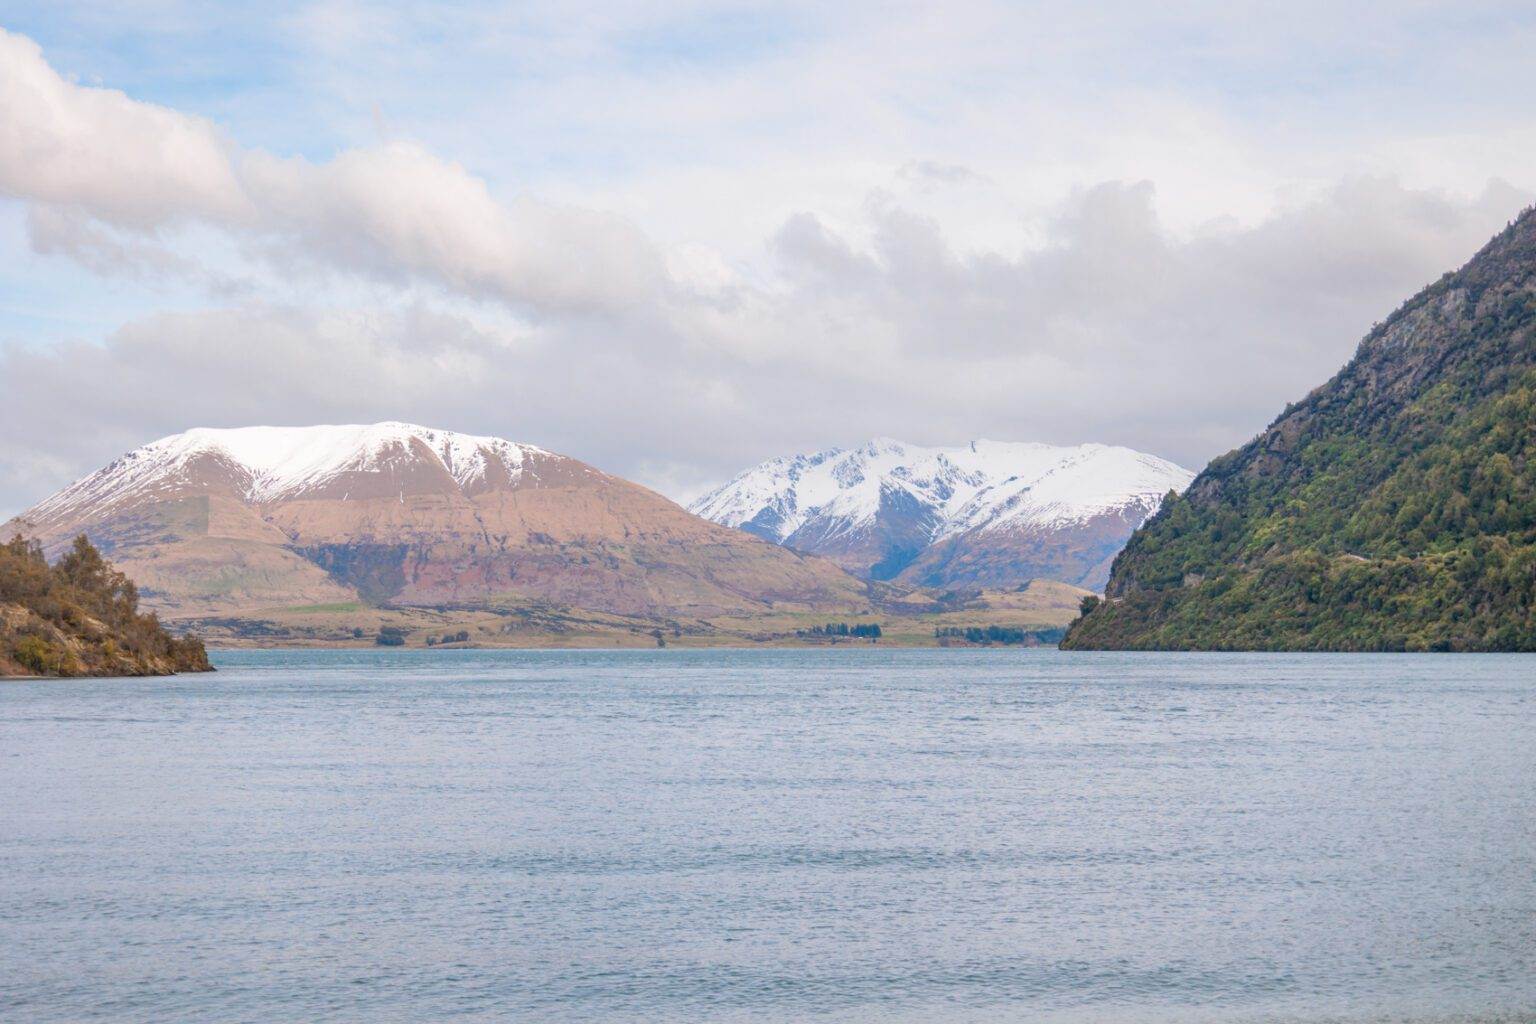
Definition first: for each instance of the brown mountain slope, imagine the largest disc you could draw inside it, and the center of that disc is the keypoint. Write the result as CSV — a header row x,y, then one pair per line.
x,y
1080,554
227,522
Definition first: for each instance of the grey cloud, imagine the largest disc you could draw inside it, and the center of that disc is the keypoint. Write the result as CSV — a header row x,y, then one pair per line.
x,y
930,174
569,328
68,232
1115,330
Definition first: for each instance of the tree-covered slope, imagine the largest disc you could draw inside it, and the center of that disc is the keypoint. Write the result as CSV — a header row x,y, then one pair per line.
x,y
81,617
1394,508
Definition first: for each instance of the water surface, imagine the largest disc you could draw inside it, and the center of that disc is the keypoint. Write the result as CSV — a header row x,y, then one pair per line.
x,y
848,835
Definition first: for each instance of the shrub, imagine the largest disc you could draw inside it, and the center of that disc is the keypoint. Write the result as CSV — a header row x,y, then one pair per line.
x,y
36,654
79,595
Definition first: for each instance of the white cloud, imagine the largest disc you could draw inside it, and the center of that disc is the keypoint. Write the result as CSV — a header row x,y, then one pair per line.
x,y
129,163
392,211
1008,221
397,211
1114,330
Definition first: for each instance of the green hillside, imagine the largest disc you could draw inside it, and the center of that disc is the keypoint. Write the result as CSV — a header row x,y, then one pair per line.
x,y
1393,508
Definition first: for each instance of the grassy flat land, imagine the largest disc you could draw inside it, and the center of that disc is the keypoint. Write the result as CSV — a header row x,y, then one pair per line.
x,y
909,622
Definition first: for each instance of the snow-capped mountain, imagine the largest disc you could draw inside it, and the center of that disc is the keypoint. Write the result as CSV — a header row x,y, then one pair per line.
x,y
986,513
228,522
268,464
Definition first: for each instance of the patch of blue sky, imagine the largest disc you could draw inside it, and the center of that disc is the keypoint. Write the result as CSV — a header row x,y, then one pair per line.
x,y
232,63
50,299
47,300
710,39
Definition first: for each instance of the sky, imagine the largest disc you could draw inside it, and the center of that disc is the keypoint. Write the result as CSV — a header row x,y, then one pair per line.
x,y
673,239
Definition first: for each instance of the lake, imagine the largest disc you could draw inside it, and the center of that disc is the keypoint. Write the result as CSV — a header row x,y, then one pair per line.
x,y
827,835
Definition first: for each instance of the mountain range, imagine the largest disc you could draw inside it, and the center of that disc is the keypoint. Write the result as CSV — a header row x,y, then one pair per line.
x,y
1393,508
983,514
227,522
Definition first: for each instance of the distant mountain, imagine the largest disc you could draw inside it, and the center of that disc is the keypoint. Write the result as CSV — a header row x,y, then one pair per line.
x,y
1393,508
987,514
224,522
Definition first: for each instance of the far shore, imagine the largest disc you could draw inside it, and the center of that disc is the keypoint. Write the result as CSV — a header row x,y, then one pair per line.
x,y
615,643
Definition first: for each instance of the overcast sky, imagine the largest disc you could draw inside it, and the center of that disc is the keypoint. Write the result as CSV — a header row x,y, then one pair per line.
x,y
673,239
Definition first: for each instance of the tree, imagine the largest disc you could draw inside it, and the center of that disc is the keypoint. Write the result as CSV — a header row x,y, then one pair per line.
x,y
77,597
82,566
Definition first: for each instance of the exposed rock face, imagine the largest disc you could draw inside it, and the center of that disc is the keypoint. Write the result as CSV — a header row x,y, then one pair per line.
x,y
219,522
986,514
1393,508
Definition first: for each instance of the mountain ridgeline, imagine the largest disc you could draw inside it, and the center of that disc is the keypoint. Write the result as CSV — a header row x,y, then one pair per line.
x,y
224,523
985,514
1392,509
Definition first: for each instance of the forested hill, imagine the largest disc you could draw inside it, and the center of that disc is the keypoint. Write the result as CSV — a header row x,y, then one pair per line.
x,y
1393,508
81,617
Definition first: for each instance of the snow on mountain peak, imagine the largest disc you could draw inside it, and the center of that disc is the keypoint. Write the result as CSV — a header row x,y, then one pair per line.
x,y
277,462
982,485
